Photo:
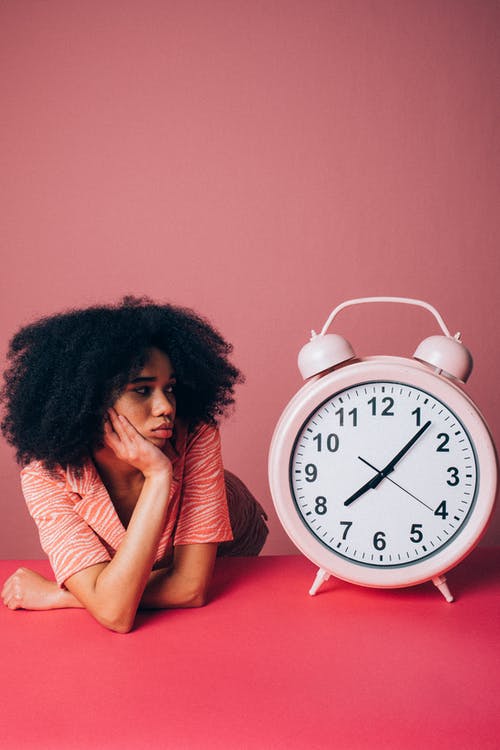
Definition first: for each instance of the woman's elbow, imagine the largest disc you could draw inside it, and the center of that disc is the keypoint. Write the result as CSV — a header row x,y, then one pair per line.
x,y
199,599
117,622
119,627
195,596
114,609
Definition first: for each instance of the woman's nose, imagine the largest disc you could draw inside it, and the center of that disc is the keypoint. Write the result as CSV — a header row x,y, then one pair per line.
x,y
163,406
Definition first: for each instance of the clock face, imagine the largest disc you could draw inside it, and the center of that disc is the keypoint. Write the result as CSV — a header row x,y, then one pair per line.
x,y
383,474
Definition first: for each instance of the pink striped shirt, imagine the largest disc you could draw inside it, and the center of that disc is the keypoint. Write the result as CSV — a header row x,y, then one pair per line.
x,y
78,523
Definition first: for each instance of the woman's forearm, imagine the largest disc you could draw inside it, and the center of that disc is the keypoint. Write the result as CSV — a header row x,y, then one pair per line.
x,y
186,582
183,584
168,589
164,589
112,591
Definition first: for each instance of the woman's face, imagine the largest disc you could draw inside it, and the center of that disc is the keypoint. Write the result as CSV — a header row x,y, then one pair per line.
x,y
148,401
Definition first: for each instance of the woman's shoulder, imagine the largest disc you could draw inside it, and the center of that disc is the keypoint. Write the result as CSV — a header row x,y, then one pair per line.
x,y
72,477
191,438
38,468
202,432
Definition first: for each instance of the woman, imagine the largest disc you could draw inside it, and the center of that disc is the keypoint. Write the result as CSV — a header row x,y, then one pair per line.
x,y
113,412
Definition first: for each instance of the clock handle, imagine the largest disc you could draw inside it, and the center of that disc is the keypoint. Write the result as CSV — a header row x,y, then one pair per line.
x,y
445,353
399,300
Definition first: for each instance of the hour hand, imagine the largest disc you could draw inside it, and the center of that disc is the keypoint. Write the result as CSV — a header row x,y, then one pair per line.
x,y
368,486
382,474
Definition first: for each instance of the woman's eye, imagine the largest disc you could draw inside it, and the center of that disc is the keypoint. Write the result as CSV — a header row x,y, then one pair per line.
x,y
143,390
146,390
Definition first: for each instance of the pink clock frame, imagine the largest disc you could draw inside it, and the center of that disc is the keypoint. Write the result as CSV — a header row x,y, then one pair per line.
x,y
413,372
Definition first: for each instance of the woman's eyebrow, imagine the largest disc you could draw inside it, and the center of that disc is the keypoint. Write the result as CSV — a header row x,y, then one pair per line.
x,y
149,379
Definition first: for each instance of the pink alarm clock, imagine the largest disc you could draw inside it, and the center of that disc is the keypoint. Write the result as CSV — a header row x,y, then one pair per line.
x,y
382,470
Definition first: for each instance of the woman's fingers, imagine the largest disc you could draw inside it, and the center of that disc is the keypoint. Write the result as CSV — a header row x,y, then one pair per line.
x,y
123,428
27,589
108,430
6,592
115,431
130,446
111,438
117,424
123,438
11,592
128,428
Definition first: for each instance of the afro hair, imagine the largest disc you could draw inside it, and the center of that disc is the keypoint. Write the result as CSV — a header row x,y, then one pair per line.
x,y
66,370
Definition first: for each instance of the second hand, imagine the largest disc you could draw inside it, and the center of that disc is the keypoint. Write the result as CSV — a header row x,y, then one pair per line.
x,y
397,485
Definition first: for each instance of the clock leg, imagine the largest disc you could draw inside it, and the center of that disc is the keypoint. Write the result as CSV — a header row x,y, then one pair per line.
x,y
321,576
440,582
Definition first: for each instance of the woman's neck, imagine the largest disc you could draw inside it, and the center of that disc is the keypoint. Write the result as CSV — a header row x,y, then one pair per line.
x,y
116,474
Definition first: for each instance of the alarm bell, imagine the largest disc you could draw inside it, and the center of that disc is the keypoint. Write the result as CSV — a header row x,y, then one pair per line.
x,y
323,352
447,354
444,353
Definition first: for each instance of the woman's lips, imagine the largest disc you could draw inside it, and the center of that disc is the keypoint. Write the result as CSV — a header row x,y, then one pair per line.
x,y
163,432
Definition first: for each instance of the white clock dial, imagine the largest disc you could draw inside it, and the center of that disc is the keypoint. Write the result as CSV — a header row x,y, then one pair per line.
x,y
384,474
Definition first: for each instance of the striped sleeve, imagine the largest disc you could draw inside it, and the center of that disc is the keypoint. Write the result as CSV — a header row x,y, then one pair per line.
x,y
203,515
66,538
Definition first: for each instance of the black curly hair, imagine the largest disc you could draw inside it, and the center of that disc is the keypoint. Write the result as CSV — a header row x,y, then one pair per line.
x,y
66,370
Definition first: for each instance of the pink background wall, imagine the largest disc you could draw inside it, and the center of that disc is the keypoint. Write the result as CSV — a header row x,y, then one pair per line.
x,y
261,162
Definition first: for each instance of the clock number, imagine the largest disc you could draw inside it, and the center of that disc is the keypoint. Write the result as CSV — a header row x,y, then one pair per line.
x,y
347,525
332,442
379,540
353,413
418,415
416,535
320,507
387,412
441,510
445,439
454,480
311,473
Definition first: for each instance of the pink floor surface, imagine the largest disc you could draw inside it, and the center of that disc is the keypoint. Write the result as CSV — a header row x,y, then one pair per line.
x,y
264,665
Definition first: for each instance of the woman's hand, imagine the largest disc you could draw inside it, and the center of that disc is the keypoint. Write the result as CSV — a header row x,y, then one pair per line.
x,y
26,589
129,446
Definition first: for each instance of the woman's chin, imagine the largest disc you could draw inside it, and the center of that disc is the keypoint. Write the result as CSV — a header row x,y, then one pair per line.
x,y
157,440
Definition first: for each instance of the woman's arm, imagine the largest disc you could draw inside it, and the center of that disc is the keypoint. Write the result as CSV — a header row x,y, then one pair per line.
x,y
185,584
111,591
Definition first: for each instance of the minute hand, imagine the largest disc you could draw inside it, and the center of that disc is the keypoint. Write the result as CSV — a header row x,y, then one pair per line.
x,y
404,450
372,483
